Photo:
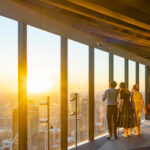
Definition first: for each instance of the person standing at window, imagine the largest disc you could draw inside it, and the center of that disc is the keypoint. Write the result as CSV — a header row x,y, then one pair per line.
x,y
111,95
138,102
125,118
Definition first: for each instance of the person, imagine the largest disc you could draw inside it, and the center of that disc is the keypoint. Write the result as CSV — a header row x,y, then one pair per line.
x,y
138,102
111,95
125,117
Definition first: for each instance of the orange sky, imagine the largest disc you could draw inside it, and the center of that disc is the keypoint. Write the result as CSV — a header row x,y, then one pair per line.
x,y
44,62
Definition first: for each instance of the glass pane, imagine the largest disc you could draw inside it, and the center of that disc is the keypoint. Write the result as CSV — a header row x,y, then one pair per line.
x,y
43,81
78,83
132,74
118,69
101,84
142,84
8,84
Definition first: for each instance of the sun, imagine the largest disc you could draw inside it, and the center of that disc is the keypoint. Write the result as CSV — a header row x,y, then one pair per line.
x,y
39,84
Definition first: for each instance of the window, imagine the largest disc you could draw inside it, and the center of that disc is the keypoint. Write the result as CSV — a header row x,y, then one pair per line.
x,y
132,74
8,83
78,83
118,69
101,84
43,81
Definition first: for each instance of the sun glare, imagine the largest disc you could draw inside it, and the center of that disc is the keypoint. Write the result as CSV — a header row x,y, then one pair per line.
x,y
39,84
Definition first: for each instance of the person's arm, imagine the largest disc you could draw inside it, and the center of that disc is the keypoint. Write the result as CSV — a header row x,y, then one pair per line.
x,y
132,100
104,96
118,96
122,96
121,99
142,102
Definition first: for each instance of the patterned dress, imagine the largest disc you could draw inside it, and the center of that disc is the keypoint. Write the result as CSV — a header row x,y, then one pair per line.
x,y
125,115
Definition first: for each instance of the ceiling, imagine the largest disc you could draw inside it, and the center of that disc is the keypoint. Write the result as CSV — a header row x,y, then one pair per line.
x,y
118,26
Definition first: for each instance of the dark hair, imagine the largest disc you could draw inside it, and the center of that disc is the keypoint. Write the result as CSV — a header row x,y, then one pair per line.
x,y
136,87
113,84
122,85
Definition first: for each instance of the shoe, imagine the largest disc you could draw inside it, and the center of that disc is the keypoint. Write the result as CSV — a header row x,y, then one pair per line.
x,y
129,131
125,133
109,136
116,137
136,131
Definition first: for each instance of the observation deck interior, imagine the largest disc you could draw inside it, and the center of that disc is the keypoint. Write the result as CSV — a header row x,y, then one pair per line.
x,y
73,47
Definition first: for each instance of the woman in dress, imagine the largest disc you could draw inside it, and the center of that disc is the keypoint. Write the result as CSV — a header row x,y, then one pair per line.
x,y
125,118
138,102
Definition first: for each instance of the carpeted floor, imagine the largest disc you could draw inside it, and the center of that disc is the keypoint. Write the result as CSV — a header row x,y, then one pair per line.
x,y
141,142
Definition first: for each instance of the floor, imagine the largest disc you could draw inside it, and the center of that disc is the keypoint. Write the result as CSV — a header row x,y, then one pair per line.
x,y
141,142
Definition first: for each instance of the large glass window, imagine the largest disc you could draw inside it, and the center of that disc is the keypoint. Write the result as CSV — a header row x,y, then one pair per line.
x,y
142,83
101,84
132,74
43,81
8,84
118,69
78,83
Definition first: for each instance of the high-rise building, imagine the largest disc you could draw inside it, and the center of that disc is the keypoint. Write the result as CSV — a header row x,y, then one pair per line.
x,y
15,129
33,125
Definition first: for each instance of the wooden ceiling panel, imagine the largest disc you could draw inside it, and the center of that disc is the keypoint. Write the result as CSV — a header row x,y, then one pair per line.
x,y
92,20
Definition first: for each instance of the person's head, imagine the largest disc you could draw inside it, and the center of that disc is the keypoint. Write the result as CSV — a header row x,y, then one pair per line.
x,y
122,85
113,84
136,87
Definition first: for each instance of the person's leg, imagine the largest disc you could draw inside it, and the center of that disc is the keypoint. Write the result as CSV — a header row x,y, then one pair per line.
x,y
125,132
139,116
129,131
131,122
109,120
114,113
138,122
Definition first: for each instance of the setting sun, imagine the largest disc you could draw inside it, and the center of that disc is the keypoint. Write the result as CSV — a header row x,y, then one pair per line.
x,y
38,84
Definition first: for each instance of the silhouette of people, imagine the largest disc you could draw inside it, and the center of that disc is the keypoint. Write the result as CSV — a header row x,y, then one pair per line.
x,y
111,95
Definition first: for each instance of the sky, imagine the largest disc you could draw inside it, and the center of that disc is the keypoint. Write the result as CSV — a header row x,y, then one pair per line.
x,y
43,51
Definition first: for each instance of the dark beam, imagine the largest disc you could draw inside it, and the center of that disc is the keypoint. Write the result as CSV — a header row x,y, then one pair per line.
x,y
90,13
64,93
22,85
126,71
111,67
108,32
137,73
91,93
111,13
94,14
